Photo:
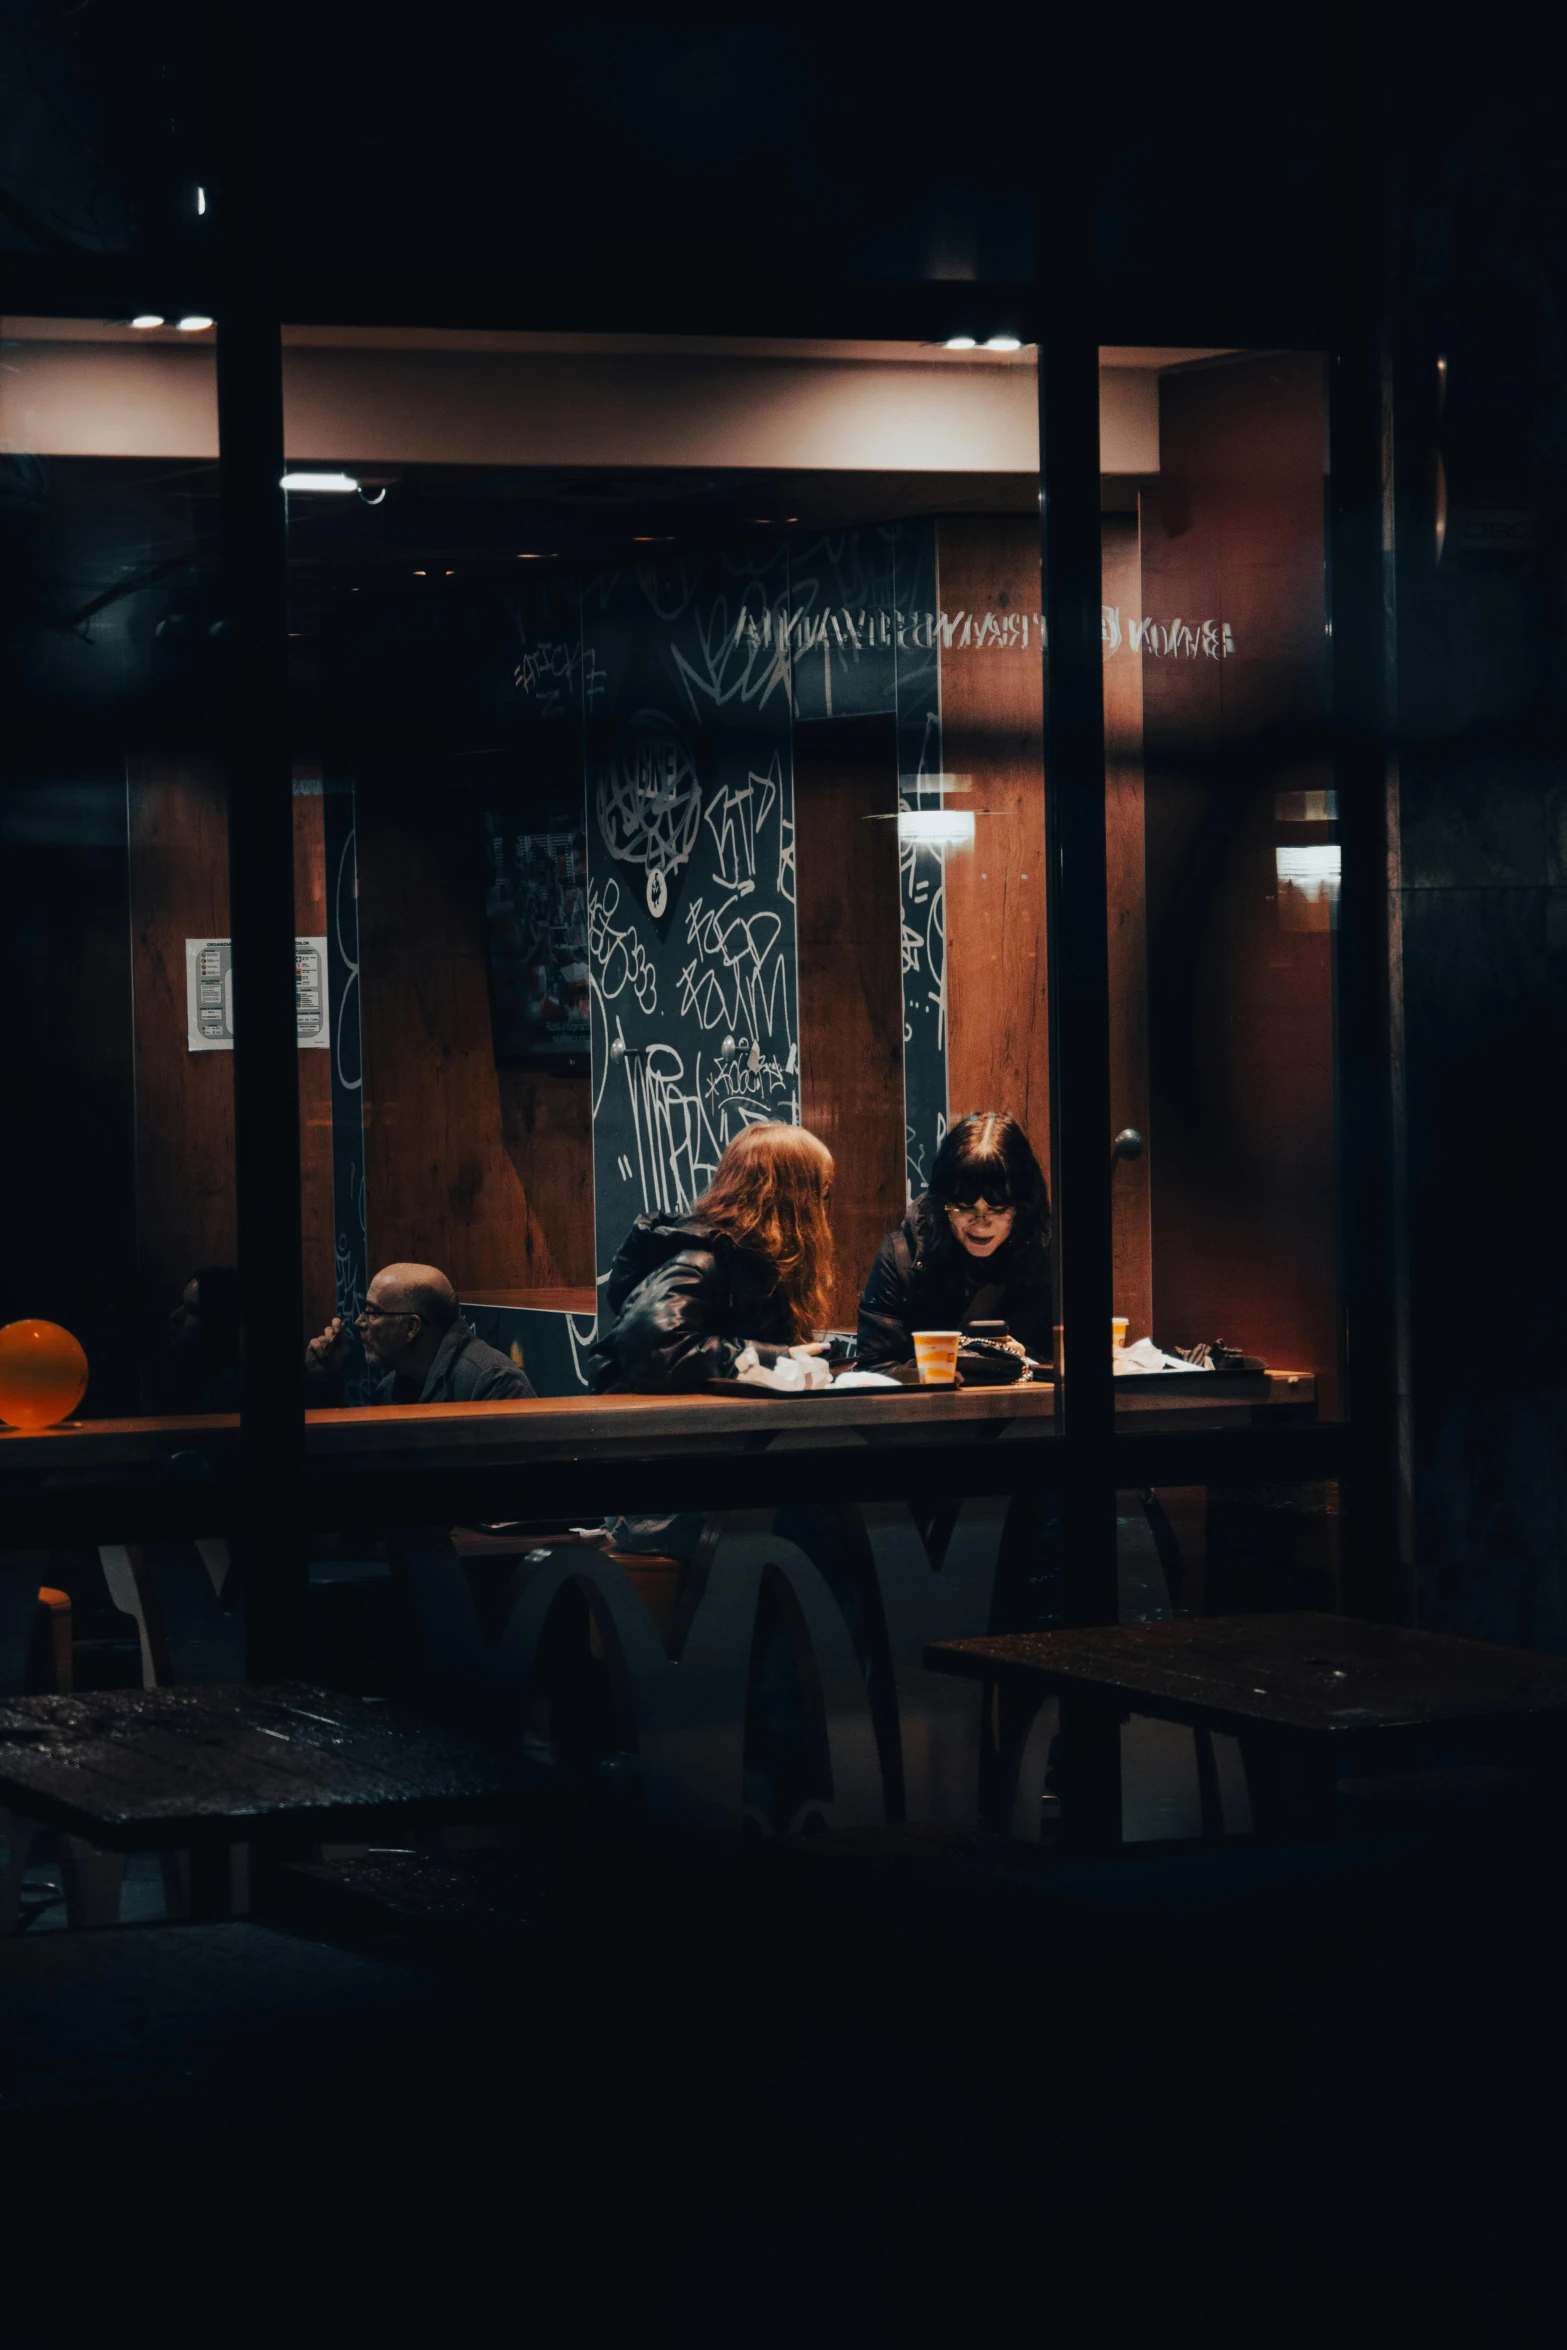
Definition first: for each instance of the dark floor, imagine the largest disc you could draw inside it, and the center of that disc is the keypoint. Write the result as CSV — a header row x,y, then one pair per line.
x,y
853,2099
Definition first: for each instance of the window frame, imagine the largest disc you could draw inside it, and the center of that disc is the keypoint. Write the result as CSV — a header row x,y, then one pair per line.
x,y
276,1497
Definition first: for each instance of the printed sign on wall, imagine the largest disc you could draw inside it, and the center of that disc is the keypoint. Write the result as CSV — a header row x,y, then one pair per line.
x,y
209,994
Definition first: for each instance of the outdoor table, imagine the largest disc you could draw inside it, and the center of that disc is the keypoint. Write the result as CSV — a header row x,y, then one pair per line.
x,y
1309,1697
211,1765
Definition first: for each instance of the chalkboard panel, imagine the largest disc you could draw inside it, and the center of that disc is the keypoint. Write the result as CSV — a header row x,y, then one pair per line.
x,y
551,1348
843,625
922,865
690,805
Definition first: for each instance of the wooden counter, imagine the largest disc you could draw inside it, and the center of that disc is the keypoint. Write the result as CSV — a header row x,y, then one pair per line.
x,y
566,1427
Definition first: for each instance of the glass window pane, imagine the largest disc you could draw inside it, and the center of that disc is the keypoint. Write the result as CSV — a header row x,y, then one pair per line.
x,y
105,118
676,711
119,1192
1223,855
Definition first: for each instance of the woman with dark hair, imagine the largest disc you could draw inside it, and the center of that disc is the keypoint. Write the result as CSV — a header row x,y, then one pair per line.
x,y
975,1248
746,1272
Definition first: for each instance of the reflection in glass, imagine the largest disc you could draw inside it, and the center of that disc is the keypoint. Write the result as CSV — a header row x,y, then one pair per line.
x,y
676,710
117,1202
1221,834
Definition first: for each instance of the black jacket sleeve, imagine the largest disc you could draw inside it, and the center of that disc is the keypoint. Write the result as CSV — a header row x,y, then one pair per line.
x,y
667,1337
497,1382
885,1311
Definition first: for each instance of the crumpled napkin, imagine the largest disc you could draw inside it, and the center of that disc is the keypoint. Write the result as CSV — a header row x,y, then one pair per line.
x,y
1138,1360
790,1375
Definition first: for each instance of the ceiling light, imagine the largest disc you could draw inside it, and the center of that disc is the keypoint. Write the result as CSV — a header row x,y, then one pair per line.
x,y
201,200
1003,343
146,318
194,325
336,484
537,555
652,538
1314,871
958,343
936,828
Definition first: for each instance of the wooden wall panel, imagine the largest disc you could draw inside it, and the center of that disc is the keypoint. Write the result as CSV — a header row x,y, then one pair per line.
x,y
992,715
184,1100
67,1175
487,1173
1128,931
1240,1007
319,1249
178,830
851,998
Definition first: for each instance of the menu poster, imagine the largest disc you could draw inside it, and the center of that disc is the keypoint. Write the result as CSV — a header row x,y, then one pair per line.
x,y
209,995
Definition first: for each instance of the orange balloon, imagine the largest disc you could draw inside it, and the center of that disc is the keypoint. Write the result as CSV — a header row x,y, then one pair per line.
x,y
43,1374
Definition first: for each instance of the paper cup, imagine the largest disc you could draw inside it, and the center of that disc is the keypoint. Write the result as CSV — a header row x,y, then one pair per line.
x,y
1117,1330
936,1354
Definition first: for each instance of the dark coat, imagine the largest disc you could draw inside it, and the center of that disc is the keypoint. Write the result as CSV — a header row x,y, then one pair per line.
x,y
466,1370
681,1304
916,1284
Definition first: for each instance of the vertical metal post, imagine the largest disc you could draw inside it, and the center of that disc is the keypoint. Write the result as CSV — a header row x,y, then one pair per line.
x,y
1075,838
261,843
1361,668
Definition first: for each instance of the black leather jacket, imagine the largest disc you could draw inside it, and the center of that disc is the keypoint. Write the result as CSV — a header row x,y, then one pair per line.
x,y
681,1304
917,1285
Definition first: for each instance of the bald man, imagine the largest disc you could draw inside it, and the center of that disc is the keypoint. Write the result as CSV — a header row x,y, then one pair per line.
x,y
414,1335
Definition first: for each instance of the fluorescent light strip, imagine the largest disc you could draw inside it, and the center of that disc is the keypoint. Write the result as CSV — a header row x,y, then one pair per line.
x,y
337,484
1314,871
937,828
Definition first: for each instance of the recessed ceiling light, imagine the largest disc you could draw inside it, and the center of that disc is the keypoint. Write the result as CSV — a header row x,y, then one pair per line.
x,y
418,574
937,828
146,318
537,555
959,343
194,325
1003,343
653,538
329,484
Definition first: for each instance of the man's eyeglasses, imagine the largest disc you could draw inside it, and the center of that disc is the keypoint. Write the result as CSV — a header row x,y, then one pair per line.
x,y
386,1314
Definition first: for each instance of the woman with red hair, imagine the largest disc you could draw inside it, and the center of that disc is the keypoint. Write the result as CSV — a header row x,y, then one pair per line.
x,y
747,1270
